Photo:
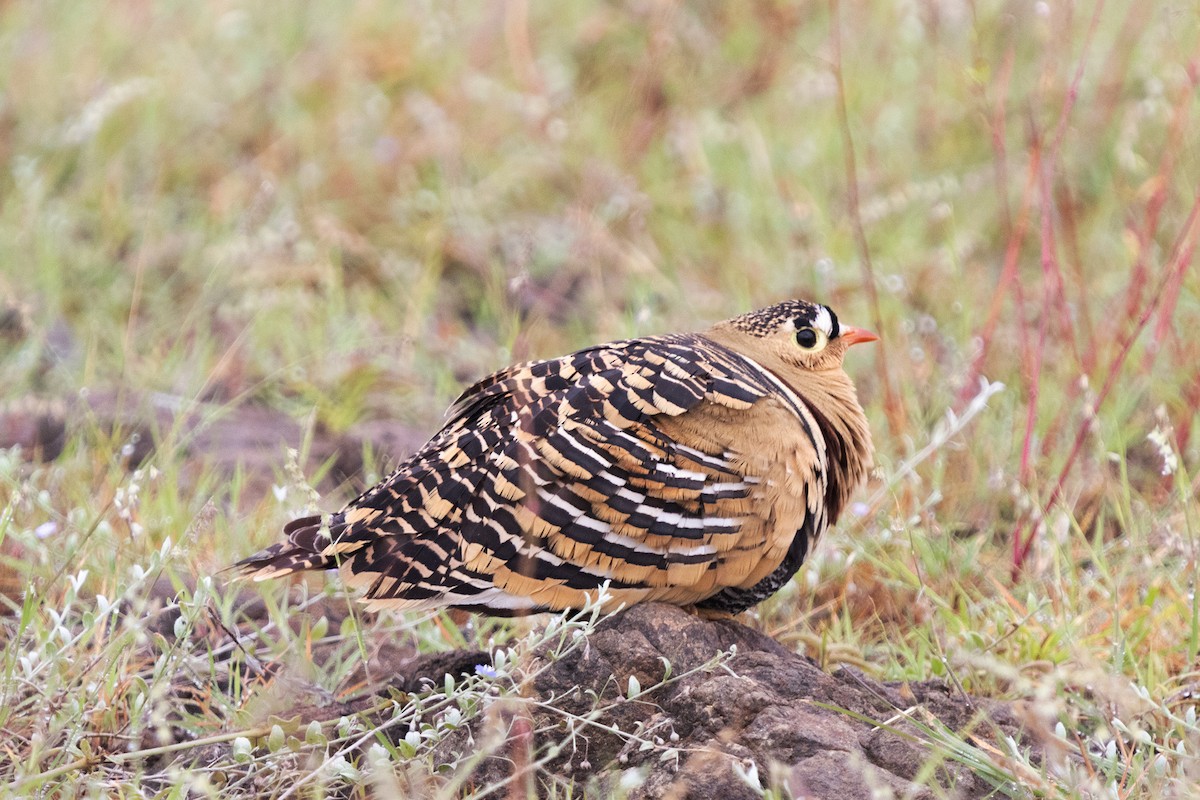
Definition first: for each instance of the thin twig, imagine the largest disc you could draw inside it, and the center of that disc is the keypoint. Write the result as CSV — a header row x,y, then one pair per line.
x,y
892,402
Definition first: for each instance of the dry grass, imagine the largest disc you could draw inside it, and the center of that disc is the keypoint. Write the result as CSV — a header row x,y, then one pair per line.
x,y
345,213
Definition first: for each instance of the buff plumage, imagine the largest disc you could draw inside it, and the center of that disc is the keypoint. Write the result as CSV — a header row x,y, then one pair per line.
x,y
695,469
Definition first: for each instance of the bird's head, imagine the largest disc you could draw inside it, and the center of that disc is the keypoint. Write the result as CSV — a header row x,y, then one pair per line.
x,y
803,344
794,334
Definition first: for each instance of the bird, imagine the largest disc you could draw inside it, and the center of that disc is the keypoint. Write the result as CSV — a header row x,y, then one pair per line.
x,y
696,469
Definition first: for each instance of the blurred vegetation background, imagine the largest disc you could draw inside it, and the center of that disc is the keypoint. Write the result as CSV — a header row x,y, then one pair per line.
x,y
359,206
345,212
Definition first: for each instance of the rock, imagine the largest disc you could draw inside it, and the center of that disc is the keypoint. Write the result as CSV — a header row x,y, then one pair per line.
x,y
764,715
704,724
718,726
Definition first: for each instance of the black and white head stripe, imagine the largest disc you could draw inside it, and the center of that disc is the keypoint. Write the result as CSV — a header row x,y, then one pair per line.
x,y
826,321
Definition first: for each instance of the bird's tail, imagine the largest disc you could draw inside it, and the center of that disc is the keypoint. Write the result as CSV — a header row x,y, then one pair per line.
x,y
303,548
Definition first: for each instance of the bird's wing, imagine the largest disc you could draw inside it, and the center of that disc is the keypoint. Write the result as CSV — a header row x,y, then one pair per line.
x,y
646,463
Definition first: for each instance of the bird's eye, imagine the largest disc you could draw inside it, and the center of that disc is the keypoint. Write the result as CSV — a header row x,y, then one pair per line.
x,y
807,338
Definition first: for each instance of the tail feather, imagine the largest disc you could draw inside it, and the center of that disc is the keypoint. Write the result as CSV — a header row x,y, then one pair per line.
x,y
302,549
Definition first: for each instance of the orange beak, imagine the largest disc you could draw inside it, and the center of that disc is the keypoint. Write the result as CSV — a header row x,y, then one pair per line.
x,y
857,335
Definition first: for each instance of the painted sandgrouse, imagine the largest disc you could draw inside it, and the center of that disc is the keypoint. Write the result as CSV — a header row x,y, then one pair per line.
x,y
695,469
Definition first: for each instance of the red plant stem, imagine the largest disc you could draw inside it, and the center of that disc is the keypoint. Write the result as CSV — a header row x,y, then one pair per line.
x,y
1073,92
1008,278
1161,301
1175,138
1069,228
1051,271
1049,266
1052,281
1053,299
1166,164
1181,258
